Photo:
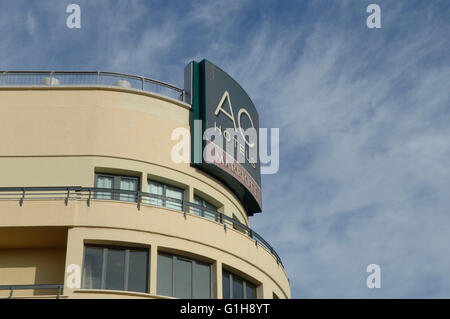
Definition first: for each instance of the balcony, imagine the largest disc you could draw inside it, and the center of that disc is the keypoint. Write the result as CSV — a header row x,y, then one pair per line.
x,y
12,288
90,78
89,194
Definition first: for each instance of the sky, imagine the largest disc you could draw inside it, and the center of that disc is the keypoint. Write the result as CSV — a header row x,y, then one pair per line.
x,y
363,115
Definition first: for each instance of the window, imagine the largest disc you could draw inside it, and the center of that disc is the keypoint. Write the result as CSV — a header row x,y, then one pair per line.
x,y
236,226
128,183
234,287
169,196
204,212
115,268
182,277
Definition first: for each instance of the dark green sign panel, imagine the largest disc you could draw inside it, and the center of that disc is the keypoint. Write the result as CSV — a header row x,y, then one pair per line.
x,y
225,120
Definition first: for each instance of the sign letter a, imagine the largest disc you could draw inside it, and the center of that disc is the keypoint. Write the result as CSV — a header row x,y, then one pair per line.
x,y
226,96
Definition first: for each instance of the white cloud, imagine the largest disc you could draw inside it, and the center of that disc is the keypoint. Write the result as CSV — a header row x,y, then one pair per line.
x,y
218,13
363,117
31,23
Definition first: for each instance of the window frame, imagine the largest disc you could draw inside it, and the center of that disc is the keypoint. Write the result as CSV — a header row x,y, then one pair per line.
x,y
164,195
174,258
204,204
244,284
238,227
116,185
104,265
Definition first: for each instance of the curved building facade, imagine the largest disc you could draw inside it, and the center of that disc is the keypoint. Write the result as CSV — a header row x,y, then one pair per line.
x,y
93,206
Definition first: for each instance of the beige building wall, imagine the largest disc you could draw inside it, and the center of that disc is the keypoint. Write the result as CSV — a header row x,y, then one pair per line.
x,y
22,266
62,137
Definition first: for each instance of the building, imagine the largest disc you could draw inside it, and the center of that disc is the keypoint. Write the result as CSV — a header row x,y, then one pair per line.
x,y
93,206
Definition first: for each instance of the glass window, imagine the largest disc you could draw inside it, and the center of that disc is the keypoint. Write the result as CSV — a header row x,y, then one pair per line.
x,y
188,278
104,182
127,183
202,284
209,214
156,189
167,193
226,286
165,275
176,193
204,212
198,201
115,268
183,278
137,271
92,271
250,291
235,287
238,288
237,226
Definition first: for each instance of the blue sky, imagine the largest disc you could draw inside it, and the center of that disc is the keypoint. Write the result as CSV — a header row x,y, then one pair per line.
x,y
363,115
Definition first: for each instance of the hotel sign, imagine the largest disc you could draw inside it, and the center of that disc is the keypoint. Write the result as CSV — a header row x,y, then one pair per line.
x,y
224,131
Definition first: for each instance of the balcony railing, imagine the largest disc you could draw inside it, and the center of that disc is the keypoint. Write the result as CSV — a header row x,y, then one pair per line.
x,y
11,288
90,78
23,194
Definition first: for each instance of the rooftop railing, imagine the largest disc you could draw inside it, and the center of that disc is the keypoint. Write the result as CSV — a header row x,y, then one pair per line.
x,y
88,194
90,78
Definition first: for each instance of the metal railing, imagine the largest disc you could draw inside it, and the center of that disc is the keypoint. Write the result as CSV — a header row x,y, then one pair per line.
x,y
11,288
23,194
90,78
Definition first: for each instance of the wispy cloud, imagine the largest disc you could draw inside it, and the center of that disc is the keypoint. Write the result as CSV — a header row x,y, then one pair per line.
x,y
363,116
31,23
364,167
